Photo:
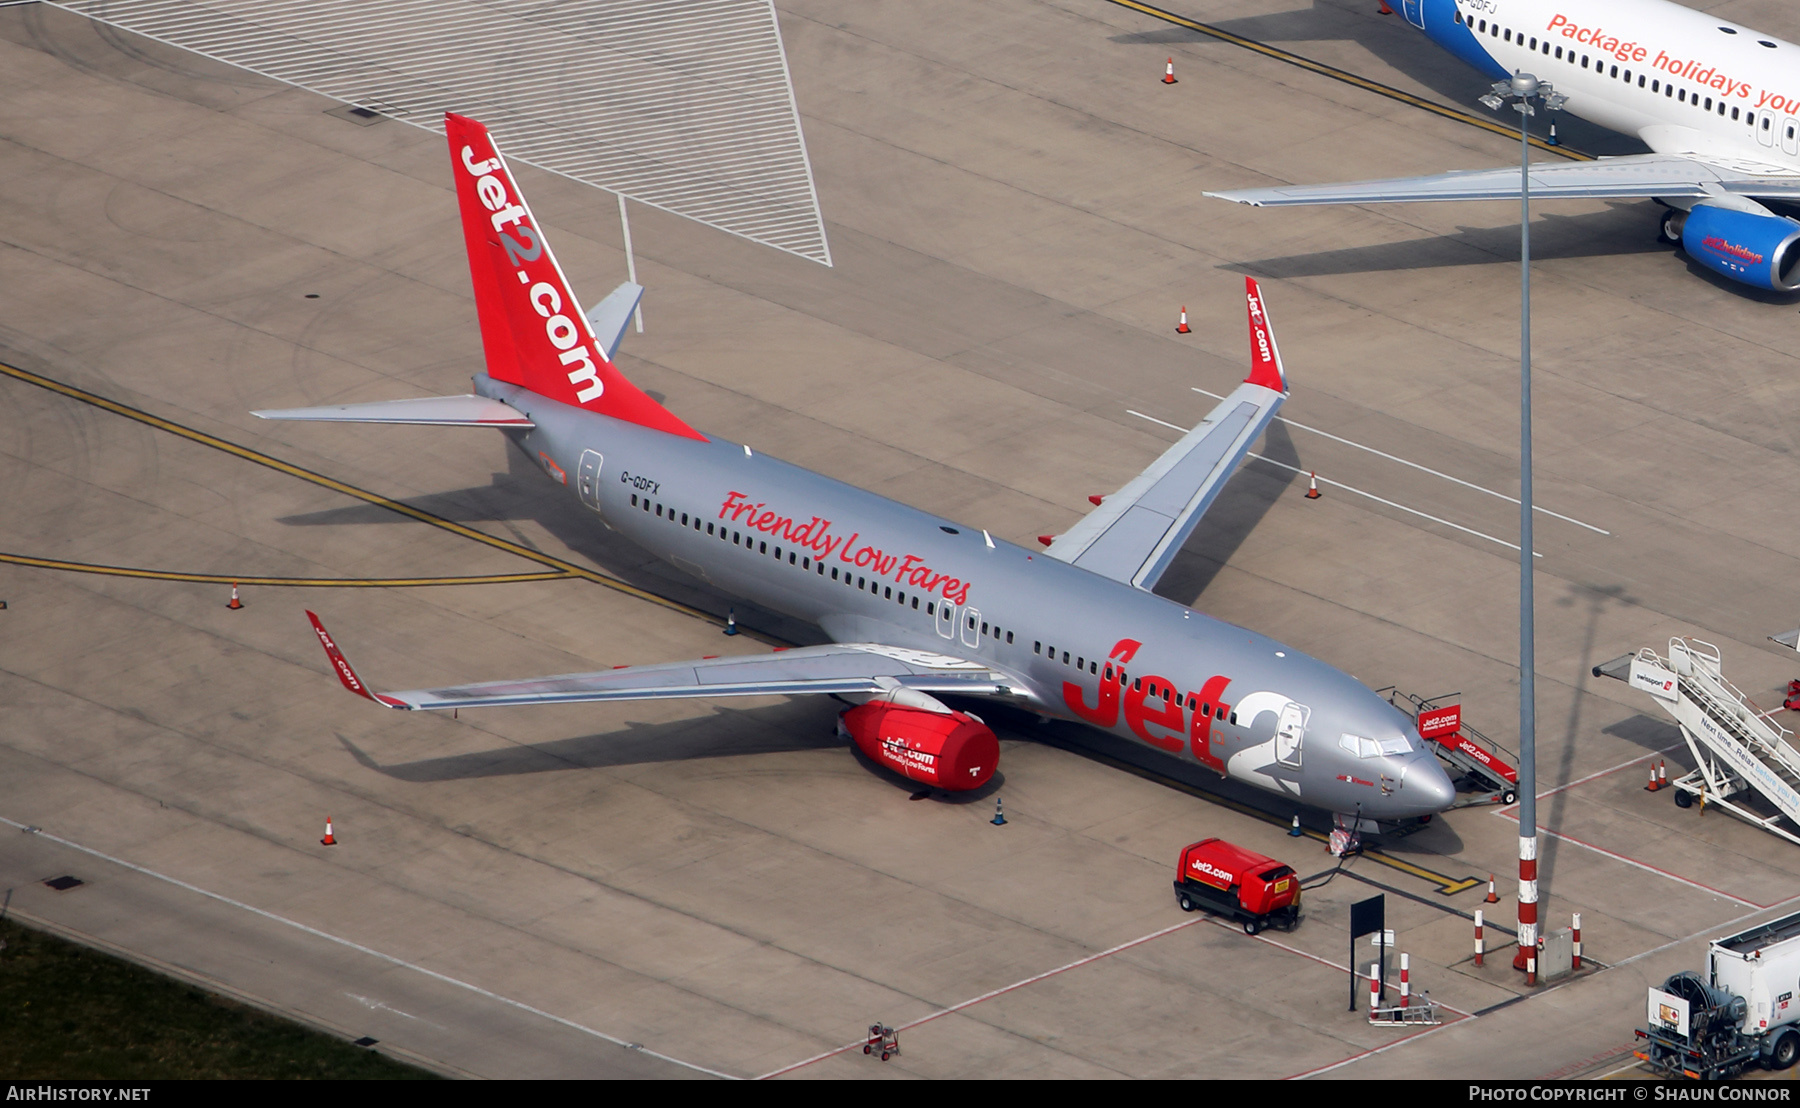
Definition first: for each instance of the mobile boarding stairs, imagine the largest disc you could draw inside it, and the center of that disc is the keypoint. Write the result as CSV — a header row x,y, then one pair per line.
x,y
1478,765
1735,746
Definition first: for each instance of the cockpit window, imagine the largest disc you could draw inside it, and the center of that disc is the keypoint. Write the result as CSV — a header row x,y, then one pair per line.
x,y
1359,746
1369,748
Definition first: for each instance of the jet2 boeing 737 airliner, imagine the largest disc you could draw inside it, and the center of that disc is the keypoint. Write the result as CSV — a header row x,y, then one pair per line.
x,y
914,604
1718,102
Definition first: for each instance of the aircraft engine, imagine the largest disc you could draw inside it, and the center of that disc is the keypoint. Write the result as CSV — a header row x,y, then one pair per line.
x,y
952,750
1756,249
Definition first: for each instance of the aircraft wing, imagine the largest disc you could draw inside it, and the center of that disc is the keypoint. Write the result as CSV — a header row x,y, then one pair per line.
x,y
1136,532
837,668
1638,175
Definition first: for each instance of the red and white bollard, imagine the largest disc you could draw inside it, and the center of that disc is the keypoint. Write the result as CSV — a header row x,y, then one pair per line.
x,y
1480,943
1527,957
1405,981
1374,987
1576,962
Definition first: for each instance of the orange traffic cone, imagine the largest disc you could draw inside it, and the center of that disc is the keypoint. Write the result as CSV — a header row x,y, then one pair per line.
x,y
1491,898
1169,73
1662,774
1385,10
1312,486
1182,328
235,602
1652,786
329,839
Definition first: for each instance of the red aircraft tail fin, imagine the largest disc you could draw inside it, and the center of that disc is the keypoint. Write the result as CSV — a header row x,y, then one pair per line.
x,y
532,327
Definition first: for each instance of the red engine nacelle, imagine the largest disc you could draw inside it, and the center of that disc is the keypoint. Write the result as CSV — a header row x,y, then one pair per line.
x,y
953,751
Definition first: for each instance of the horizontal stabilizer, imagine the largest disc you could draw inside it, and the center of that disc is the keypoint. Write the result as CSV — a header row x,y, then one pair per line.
x,y
440,411
608,318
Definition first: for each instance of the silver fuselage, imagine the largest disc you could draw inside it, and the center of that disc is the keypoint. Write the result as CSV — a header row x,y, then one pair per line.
x,y
1075,645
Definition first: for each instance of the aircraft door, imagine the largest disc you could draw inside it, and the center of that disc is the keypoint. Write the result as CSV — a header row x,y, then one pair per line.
x,y
946,621
971,627
1790,135
1289,732
587,478
1415,12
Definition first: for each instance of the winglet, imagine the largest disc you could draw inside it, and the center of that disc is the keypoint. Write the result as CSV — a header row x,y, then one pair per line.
x,y
342,666
1265,357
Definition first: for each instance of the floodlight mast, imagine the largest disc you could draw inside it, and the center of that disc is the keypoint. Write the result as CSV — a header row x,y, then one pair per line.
x,y
1520,91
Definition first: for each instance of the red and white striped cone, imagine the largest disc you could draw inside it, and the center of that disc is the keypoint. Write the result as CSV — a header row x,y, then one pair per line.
x,y
1312,486
329,839
1575,963
1182,328
1480,943
1492,898
1662,774
1169,73
1527,957
1652,786
235,602
1405,981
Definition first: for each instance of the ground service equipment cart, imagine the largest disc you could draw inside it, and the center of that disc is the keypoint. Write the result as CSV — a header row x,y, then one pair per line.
x,y
1239,884
1744,1011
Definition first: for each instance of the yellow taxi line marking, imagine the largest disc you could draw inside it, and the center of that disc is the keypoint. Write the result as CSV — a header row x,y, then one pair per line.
x,y
1346,77
284,582
316,478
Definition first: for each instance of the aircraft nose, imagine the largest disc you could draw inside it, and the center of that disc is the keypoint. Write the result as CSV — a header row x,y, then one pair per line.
x,y
1428,786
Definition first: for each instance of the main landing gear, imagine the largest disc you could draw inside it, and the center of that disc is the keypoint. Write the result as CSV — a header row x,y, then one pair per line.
x,y
1668,228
